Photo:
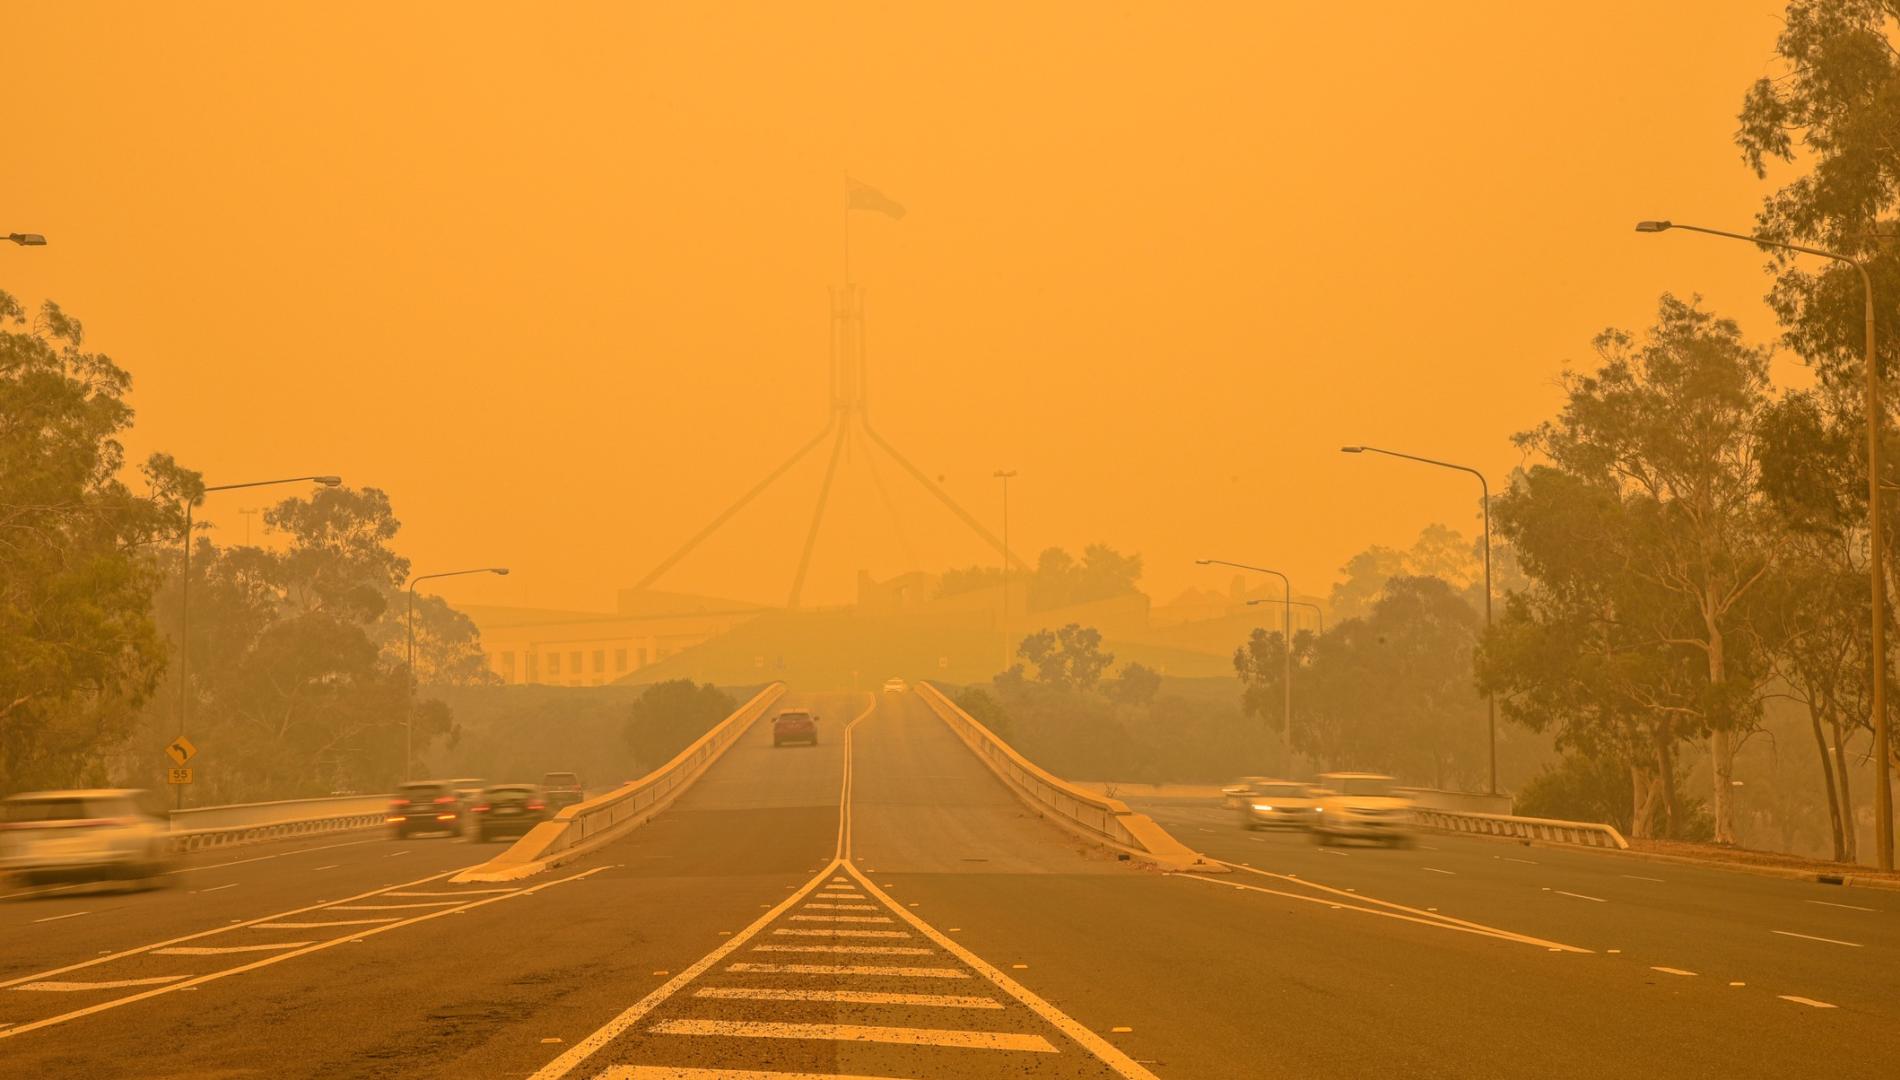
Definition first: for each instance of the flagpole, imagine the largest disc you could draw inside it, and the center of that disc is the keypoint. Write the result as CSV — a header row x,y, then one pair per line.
x,y
847,236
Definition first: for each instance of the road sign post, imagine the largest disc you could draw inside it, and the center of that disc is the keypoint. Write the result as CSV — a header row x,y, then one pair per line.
x,y
178,776
181,750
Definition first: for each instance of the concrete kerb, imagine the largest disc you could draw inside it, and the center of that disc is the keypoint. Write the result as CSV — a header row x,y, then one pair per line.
x,y
1151,844
565,838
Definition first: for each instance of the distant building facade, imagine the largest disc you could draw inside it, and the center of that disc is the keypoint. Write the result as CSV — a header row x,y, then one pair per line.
x,y
569,648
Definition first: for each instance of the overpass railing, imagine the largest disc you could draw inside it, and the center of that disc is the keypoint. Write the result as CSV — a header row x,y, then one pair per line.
x,y
1096,817
248,823
580,828
1549,830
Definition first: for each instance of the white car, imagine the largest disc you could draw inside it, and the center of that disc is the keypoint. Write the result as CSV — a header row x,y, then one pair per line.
x,y
79,835
1361,806
1267,803
895,685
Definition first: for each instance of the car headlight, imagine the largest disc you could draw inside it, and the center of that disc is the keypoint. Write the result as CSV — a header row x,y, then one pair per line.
x,y
1261,806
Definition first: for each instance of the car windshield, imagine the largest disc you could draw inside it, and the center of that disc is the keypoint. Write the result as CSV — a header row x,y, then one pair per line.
x,y
1364,785
29,811
1281,791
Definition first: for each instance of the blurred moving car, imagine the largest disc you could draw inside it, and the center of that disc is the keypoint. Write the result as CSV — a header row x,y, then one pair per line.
x,y
425,806
1361,806
895,685
561,789
102,833
508,810
1277,804
795,725
1235,795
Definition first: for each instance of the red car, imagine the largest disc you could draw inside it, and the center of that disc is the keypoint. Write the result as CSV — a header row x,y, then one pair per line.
x,y
794,725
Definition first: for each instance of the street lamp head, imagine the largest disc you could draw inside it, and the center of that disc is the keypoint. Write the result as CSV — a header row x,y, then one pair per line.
x,y
328,481
1653,226
501,570
1351,449
27,239
1203,562
1003,474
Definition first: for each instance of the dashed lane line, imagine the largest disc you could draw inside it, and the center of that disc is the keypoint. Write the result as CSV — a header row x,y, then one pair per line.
x,y
394,907
1850,907
1811,937
197,981
1672,971
68,915
1580,896
123,953
221,888
1436,870
848,997
1809,1002
1639,877
899,1036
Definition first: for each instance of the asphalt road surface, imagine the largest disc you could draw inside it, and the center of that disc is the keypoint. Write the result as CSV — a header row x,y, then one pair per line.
x,y
880,906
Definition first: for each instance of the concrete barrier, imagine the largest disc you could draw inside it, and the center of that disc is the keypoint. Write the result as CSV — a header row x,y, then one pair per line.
x,y
250,823
584,826
1094,817
1549,830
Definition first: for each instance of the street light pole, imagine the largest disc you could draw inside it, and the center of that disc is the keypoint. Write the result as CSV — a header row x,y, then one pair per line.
x,y
1318,612
184,595
409,720
1286,652
1876,558
1004,475
1484,486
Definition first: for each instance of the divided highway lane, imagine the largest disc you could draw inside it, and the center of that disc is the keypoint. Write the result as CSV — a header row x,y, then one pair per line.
x,y
1822,943
470,986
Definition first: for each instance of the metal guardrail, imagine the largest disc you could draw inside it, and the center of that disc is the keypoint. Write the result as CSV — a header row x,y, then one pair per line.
x,y
1550,830
248,823
593,821
1109,820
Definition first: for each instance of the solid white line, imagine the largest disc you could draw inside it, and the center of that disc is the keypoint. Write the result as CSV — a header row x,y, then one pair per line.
x,y
393,854
1811,937
1526,862
868,950
68,915
1810,1002
391,907
220,888
221,950
842,918
784,932
332,866
681,1072
69,987
1639,877
877,970
187,984
1672,971
456,892
849,997
315,925
1580,896
1436,870
1850,907
901,1036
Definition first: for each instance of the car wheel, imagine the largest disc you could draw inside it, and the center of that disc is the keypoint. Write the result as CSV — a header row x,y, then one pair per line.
x,y
1322,838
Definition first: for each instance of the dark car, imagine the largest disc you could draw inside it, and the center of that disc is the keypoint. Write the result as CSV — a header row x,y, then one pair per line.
x,y
794,725
508,810
561,789
425,806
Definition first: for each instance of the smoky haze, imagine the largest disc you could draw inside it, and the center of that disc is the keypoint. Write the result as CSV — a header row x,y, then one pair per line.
x,y
558,282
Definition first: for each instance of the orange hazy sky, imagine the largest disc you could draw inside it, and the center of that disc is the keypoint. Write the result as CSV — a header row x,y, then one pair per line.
x,y
554,276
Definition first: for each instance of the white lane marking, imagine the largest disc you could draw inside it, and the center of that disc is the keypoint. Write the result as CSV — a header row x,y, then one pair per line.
x,y
454,892
220,888
43,892
849,997
221,950
844,888
332,866
393,854
822,897
1330,851
1435,921
1672,971
1436,870
1580,896
679,1072
391,907
842,918
194,983
109,957
315,925
1429,916
1809,1002
867,950
900,1036
114,984
1105,1052
1850,907
866,970
1639,877
842,907
265,858
1811,937
1526,862
68,915
788,932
